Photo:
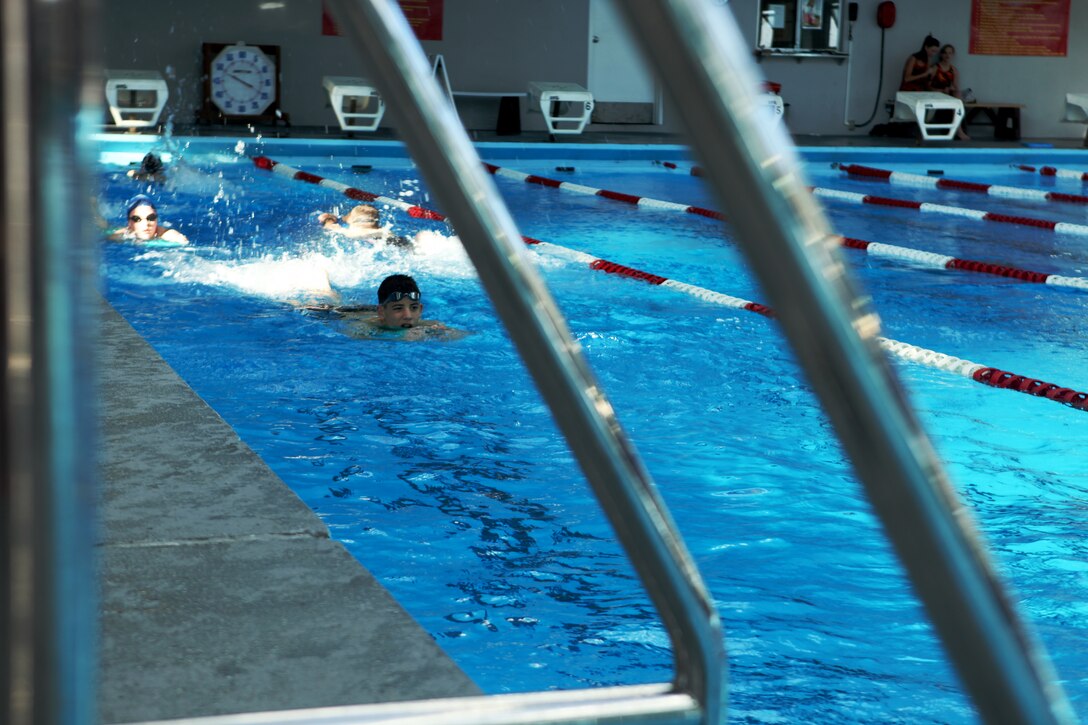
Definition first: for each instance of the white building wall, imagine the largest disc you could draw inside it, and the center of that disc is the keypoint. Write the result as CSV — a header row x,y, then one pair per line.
x,y
503,44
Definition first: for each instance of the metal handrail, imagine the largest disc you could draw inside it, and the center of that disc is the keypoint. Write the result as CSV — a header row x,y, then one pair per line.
x,y
47,564
789,243
450,164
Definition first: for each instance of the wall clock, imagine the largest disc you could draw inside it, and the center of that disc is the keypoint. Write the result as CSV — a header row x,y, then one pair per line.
x,y
241,82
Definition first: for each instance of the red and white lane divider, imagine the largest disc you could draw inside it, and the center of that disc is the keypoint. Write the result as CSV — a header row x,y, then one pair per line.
x,y
975,214
614,195
263,162
877,249
929,182
1051,171
991,376
942,261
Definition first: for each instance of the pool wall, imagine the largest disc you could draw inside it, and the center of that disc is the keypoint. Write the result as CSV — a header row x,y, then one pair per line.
x,y
117,148
220,591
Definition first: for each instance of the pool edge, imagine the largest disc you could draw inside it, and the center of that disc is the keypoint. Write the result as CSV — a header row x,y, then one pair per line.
x,y
220,591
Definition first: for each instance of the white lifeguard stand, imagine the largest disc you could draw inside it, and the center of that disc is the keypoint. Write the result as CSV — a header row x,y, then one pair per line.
x,y
135,97
921,106
355,101
1076,110
566,106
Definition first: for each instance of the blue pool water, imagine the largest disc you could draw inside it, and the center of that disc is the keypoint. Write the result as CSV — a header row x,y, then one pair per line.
x,y
439,468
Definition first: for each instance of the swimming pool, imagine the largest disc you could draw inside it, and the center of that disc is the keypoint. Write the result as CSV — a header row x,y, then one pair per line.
x,y
439,468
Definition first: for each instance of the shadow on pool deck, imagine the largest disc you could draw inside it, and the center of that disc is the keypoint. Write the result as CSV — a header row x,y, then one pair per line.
x,y
220,591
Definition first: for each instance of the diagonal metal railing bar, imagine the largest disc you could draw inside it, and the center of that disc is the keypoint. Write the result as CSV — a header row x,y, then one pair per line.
x,y
789,243
453,170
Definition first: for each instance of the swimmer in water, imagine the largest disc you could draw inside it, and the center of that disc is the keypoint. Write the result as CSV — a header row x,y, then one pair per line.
x,y
362,222
143,224
151,169
398,315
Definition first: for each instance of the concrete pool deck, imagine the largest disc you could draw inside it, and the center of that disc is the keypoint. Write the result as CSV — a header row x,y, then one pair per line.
x,y
220,590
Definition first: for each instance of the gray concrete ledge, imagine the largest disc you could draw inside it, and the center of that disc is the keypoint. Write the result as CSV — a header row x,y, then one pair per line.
x,y
220,591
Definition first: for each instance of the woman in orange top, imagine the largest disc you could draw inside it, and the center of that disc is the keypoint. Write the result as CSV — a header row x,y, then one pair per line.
x,y
919,67
945,77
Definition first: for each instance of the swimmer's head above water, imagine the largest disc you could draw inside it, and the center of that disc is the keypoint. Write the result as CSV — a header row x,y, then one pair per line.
x,y
399,303
142,217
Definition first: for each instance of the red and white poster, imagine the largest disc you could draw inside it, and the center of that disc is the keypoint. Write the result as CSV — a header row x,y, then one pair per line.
x,y
425,17
1019,27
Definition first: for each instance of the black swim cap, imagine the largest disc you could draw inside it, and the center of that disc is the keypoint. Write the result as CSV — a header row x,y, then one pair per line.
x,y
151,164
396,283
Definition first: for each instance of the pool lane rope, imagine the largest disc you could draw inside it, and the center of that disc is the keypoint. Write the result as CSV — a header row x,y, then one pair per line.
x,y
1051,171
994,377
641,201
876,249
963,213
930,182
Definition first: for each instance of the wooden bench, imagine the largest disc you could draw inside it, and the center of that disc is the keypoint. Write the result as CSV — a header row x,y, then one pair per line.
x,y
1004,117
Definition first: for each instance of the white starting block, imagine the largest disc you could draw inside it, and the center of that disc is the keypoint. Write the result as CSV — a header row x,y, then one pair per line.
x,y
357,104
1076,107
772,106
1076,110
135,97
566,106
920,106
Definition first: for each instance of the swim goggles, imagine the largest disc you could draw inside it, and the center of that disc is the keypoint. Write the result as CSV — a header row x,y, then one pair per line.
x,y
398,296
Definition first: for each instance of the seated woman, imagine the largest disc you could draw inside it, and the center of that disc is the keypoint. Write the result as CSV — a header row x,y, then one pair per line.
x,y
920,66
143,224
946,79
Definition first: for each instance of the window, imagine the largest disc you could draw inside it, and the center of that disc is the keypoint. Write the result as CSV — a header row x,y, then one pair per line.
x,y
800,26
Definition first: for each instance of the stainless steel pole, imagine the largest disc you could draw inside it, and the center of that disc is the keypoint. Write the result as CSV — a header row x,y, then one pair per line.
x,y
697,49
47,464
437,141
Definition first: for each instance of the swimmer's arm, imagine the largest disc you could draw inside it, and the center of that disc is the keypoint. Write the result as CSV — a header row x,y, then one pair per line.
x,y
173,235
436,329
114,235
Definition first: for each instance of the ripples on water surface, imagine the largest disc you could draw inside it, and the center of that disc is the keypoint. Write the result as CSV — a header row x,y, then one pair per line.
x,y
438,466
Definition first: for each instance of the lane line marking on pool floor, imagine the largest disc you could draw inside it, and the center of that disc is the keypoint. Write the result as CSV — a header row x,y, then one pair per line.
x,y
923,206
1051,171
931,260
929,182
991,376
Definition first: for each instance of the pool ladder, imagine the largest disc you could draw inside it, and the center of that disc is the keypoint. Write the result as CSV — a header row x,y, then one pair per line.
x,y
752,166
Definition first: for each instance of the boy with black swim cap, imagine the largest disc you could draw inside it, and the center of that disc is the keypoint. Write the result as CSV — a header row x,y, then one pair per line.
x,y
399,315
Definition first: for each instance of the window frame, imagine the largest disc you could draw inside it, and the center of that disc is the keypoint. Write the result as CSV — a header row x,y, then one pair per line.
x,y
833,15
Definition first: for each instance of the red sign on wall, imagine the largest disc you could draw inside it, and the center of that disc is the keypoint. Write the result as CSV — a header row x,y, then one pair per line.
x,y
1015,27
425,17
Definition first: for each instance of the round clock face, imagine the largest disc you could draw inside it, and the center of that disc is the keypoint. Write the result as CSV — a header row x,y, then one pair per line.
x,y
243,81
